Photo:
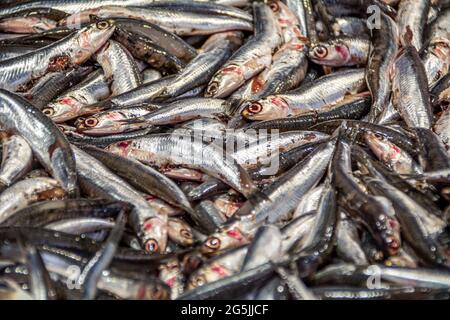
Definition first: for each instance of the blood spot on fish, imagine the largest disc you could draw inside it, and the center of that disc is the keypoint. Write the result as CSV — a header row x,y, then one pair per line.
x,y
58,63
219,270
148,225
310,136
123,144
232,69
235,234
171,281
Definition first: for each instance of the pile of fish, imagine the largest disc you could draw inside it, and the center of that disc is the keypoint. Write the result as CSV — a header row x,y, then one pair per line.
x,y
194,149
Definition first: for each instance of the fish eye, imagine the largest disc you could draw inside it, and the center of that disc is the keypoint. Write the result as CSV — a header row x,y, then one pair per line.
x,y
320,52
378,136
91,122
213,243
254,107
185,234
212,88
102,25
48,111
274,7
199,281
151,245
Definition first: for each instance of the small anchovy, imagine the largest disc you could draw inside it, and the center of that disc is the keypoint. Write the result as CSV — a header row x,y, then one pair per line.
x,y
184,110
187,22
70,104
313,97
75,49
436,56
114,121
410,89
199,71
340,52
251,58
168,41
348,242
353,107
165,149
180,232
391,155
119,65
145,49
382,55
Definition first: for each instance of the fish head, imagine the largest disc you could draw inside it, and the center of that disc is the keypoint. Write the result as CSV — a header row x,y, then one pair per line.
x,y
181,232
226,238
207,274
109,122
387,225
152,290
225,82
90,39
121,148
63,109
336,54
378,145
272,107
154,235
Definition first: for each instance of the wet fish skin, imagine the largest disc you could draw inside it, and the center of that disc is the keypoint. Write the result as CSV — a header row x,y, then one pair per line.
x,y
166,40
413,15
383,51
417,224
377,213
187,22
348,243
143,149
436,56
351,108
17,158
118,65
199,71
53,84
31,21
184,110
249,59
391,155
47,212
28,191
74,49
48,143
142,177
145,49
114,121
